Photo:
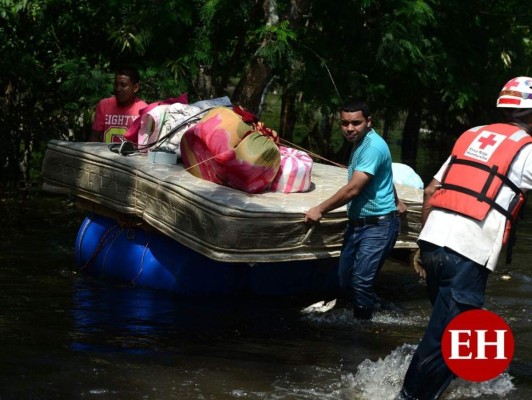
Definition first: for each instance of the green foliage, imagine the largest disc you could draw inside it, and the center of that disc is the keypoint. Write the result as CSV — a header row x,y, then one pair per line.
x,y
276,43
443,61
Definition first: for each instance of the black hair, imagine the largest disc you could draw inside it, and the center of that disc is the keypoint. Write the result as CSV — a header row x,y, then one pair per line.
x,y
354,106
517,116
132,73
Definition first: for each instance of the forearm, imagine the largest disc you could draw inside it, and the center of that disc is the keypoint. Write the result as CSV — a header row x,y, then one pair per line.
x,y
401,207
340,198
96,136
427,195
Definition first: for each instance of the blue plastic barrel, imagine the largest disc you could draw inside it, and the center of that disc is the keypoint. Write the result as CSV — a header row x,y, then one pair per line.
x,y
109,250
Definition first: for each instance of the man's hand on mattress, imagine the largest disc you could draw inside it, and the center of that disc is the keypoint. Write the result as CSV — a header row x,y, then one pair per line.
x,y
313,216
401,207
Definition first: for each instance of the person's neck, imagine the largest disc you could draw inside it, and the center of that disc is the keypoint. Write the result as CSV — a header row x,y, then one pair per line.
x,y
524,125
126,104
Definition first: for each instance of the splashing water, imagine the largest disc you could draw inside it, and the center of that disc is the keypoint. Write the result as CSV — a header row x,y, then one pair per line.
x,y
323,314
383,379
498,387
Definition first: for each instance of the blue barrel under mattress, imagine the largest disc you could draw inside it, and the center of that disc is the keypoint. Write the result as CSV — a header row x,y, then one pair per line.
x,y
109,250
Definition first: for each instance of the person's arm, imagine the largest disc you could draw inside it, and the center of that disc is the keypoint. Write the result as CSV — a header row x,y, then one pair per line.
x,y
96,136
425,211
341,197
427,195
401,207
97,125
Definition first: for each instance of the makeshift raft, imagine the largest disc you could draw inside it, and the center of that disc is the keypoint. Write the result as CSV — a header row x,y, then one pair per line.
x,y
213,230
106,248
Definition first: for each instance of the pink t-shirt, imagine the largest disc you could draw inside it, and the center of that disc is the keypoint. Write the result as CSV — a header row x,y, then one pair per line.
x,y
113,119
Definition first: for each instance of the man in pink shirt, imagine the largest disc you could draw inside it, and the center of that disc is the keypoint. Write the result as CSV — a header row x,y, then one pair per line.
x,y
115,114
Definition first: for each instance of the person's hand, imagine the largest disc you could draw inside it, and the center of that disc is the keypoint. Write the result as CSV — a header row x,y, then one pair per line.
x,y
312,216
401,207
418,266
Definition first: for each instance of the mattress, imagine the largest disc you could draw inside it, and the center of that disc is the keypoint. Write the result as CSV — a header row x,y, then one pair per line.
x,y
222,223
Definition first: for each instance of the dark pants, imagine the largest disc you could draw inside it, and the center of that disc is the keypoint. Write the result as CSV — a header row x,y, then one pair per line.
x,y
364,251
455,284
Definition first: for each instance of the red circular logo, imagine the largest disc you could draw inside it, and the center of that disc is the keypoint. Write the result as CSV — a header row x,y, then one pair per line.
x,y
477,345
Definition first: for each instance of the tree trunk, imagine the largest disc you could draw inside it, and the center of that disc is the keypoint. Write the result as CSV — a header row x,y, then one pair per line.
x,y
387,124
410,137
254,83
203,85
288,117
249,90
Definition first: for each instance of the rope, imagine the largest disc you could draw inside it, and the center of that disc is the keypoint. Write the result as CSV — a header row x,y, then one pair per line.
x,y
104,240
260,127
144,251
312,153
109,235
208,159
327,68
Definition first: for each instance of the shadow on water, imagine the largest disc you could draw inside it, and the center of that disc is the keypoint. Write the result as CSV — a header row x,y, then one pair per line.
x,y
68,336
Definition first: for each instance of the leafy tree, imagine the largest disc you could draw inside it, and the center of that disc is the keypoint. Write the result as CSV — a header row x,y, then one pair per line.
x,y
430,65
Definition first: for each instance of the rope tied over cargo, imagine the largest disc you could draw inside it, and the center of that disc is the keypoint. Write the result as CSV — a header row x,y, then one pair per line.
x,y
108,236
123,224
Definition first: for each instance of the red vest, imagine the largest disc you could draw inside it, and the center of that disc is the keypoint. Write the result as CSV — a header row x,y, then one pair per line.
x,y
479,165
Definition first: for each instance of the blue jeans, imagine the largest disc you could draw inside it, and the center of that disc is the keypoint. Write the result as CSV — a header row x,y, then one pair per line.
x,y
455,284
364,251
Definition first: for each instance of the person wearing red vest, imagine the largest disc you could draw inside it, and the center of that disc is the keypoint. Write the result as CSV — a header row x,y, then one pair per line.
x,y
470,210
115,114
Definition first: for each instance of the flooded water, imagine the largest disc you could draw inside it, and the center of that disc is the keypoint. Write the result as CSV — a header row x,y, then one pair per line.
x,y
67,336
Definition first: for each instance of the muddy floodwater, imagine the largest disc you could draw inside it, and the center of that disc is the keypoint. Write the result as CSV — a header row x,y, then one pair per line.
x,y
64,335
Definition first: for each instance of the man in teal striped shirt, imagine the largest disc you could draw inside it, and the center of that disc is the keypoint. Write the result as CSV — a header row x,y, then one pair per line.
x,y
372,209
